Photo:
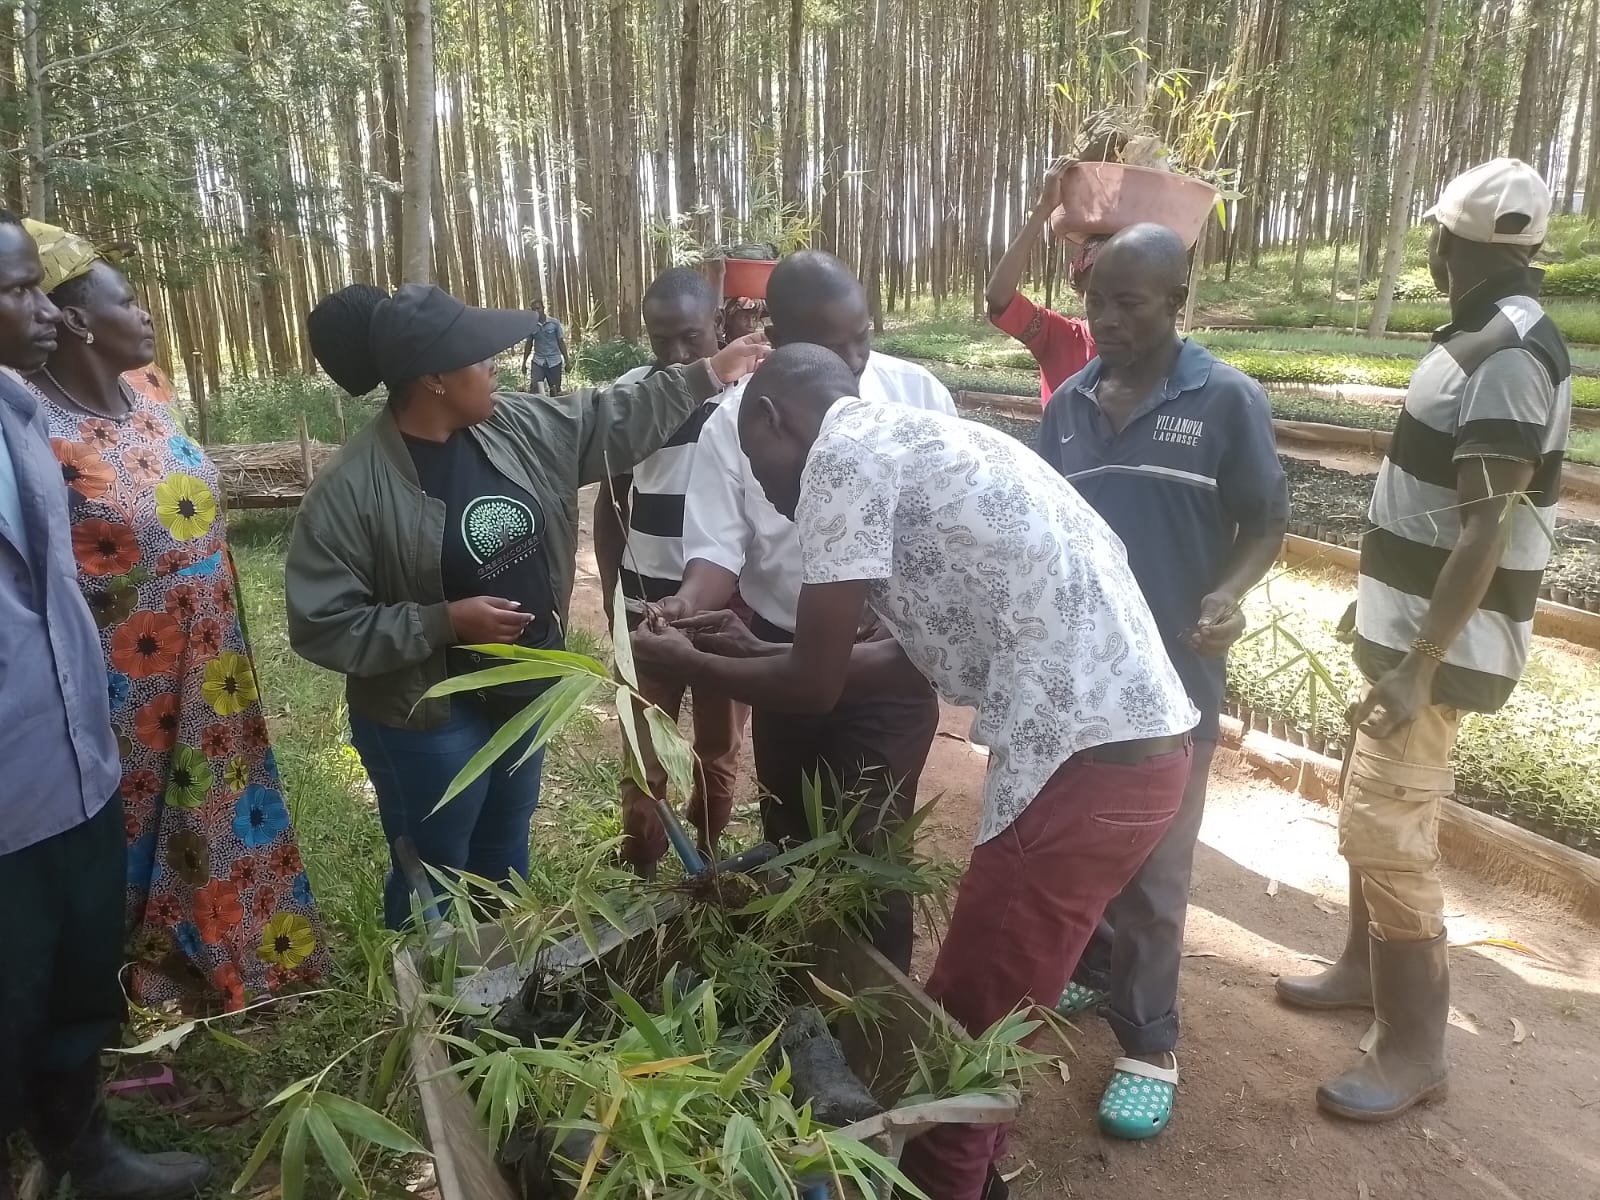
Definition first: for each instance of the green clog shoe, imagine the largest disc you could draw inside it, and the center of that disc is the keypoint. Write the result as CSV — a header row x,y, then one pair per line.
x,y
1138,1101
1077,999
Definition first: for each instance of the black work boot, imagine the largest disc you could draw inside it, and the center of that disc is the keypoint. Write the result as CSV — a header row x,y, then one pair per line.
x,y
1348,982
70,1130
1406,1065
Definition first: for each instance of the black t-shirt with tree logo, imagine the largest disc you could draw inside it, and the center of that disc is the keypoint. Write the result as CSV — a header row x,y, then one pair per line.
x,y
494,545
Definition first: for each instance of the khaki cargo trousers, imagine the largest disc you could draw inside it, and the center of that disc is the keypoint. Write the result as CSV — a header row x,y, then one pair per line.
x,y
1389,823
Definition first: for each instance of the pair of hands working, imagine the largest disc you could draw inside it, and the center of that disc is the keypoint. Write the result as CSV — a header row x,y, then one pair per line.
x,y
670,634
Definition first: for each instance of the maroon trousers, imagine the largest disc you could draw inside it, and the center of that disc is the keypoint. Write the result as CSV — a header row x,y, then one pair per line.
x,y
1028,904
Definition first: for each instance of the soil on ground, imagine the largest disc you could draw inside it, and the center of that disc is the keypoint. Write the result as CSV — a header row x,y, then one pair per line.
x,y
1521,1122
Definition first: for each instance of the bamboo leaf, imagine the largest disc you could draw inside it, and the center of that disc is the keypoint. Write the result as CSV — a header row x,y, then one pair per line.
x,y
292,1162
734,1079
388,1070
579,662
491,677
622,647
372,1127
230,1041
565,698
672,751
507,736
633,1012
334,1152
263,1150
628,718
168,1038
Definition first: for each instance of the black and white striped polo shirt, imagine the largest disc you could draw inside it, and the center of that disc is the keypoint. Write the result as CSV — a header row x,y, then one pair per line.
x,y
1497,385
652,563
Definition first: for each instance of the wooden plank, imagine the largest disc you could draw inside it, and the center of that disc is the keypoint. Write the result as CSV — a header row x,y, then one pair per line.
x,y
1022,406
1551,620
1578,480
463,1162
1472,841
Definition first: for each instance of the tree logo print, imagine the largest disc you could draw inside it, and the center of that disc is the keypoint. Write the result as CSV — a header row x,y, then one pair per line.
x,y
491,523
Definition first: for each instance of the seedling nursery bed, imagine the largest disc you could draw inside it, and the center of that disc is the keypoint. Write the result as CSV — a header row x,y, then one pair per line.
x,y
1331,506
654,1047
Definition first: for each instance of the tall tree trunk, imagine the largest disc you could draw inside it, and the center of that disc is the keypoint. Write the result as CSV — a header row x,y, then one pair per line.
x,y
624,171
1575,147
417,170
794,108
1457,148
353,189
1405,175
688,108
393,155
1141,45
1534,63
34,86
464,212
1591,184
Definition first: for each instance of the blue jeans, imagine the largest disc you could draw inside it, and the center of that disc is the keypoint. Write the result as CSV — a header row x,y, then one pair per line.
x,y
484,831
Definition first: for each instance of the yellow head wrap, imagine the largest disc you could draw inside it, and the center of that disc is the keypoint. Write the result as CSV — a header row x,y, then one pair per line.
x,y
65,256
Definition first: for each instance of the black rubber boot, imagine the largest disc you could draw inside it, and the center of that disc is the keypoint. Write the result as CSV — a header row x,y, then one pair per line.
x,y
1406,1065
70,1130
1348,982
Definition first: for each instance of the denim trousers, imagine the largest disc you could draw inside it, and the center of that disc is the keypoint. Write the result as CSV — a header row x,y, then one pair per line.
x,y
484,831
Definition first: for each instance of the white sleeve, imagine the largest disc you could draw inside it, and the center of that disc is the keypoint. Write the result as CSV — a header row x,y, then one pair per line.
x,y
714,524
845,517
934,396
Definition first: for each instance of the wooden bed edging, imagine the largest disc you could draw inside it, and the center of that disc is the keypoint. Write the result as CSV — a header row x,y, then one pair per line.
x,y
1552,620
1482,845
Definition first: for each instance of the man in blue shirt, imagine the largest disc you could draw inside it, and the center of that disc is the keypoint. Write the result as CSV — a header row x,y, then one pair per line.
x,y
63,852
544,355
1175,451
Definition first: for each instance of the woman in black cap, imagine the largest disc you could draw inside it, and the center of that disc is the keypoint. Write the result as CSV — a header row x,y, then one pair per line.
x,y
451,520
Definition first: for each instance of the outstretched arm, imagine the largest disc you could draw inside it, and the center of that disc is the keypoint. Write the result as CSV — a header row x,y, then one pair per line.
x,y
1007,276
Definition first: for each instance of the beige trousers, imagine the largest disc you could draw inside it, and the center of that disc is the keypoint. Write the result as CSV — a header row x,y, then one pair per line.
x,y
1389,823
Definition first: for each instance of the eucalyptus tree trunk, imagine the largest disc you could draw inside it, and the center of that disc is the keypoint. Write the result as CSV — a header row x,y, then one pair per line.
x,y
1406,172
417,171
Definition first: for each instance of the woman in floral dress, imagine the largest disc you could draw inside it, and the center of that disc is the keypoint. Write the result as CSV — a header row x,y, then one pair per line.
x,y
219,908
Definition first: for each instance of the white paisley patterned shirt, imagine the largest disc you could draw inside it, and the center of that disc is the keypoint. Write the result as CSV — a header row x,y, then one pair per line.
x,y
1000,583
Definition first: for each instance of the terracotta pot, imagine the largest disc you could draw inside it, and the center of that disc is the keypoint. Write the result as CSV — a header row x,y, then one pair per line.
x,y
746,277
1099,199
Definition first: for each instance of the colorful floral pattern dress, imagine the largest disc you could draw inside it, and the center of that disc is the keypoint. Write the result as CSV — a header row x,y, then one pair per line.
x,y
219,907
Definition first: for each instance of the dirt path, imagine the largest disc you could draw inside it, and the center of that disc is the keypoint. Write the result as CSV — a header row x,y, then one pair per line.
x,y
1522,1122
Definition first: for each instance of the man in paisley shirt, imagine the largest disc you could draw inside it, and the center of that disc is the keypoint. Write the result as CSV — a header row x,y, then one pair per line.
x,y
1175,450
1006,591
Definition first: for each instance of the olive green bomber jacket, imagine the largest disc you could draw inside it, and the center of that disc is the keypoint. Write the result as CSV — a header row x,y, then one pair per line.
x,y
362,579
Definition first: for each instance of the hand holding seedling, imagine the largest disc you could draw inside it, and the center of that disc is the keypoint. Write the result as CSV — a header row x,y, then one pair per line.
x,y
487,620
1220,625
722,633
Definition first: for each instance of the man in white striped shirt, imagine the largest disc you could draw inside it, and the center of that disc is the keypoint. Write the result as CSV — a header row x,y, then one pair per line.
x,y
876,745
680,316
1450,576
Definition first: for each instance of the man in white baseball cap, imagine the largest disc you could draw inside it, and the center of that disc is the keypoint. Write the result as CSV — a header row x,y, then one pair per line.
x,y
1475,204
1450,577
